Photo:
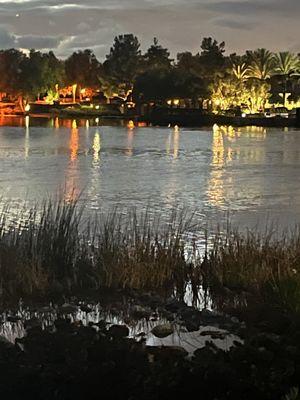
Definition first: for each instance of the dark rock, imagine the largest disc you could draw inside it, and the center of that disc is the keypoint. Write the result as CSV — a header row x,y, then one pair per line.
x,y
214,334
118,331
174,305
162,331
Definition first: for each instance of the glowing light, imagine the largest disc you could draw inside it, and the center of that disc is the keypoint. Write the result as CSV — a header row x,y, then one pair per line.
x,y
176,128
169,102
130,125
27,143
97,147
27,121
27,107
56,123
176,102
74,141
97,120
97,107
176,143
87,124
244,115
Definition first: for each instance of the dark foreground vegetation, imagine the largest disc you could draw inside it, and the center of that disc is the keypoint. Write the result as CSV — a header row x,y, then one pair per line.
x,y
251,280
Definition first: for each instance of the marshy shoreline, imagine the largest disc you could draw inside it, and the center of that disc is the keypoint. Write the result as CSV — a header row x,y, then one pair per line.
x,y
139,267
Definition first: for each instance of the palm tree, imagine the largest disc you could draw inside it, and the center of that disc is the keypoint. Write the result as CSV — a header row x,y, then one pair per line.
x,y
240,71
261,64
286,65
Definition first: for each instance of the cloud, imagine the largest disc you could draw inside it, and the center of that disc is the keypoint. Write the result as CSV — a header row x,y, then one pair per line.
x,y
68,25
39,42
286,8
231,23
7,40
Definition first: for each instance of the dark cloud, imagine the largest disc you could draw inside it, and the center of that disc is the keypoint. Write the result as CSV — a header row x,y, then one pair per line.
x,y
67,25
39,42
287,8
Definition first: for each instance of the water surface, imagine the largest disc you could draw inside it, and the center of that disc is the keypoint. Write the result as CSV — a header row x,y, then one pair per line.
x,y
252,173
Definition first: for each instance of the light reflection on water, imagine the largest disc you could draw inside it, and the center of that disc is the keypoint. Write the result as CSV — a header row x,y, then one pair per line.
x,y
252,173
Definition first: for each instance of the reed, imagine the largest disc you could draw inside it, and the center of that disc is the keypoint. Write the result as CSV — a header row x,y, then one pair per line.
x,y
54,248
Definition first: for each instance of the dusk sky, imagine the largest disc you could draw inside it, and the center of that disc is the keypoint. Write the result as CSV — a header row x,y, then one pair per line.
x,y
65,26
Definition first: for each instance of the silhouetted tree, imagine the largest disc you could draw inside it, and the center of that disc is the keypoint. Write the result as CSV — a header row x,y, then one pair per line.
x,y
11,63
157,56
124,61
40,73
82,69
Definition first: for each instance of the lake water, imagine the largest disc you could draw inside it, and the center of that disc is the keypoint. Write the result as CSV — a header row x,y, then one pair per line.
x,y
252,173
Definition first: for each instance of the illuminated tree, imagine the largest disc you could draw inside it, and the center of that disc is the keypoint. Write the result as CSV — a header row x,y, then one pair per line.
x,y
240,72
41,72
82,69
287,65
261,64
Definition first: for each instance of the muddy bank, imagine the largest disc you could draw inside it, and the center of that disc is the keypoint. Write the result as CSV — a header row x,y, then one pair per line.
x,y
70,361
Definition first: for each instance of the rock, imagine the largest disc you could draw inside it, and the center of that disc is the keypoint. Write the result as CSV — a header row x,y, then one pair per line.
x,y
191,318
171,352
174,305
162,331
118,331
214,334
192,326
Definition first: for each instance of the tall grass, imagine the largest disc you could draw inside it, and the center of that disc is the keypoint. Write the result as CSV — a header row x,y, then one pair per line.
x,y
265,266
55,250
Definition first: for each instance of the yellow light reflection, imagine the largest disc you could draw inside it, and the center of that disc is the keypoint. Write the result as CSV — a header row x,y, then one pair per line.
x,y
74,142
176,143
56,123
97,147
130,125
215,190
26,143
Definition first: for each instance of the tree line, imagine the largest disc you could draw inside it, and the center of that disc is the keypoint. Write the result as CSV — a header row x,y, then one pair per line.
x,y
208,77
